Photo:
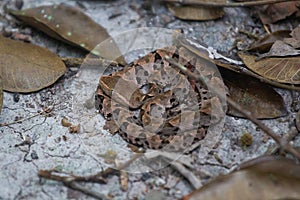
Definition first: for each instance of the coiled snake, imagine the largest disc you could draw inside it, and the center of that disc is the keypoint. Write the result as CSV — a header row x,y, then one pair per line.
x,y
151,104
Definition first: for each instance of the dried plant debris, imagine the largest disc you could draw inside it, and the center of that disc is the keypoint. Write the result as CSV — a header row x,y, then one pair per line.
x,y
249,92
195,12
26,67
283,70
278,11
65,122
264,44
294,41
72,26
246,139
276,57
74,128
266,177
280,49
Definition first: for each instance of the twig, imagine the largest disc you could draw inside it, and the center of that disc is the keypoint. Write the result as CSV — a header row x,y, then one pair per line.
x,y
97,62
228,4
70,180
44,112
195,182
76,186
267,29
288,137
131,160
249,34
246,113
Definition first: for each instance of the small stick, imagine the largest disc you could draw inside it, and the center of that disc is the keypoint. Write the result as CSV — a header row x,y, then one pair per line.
x,y
76,186
44,112
70,180
195,182
228,4
267,29
246,113
97,62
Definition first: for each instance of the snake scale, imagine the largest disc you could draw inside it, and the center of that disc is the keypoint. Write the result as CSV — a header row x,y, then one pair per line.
x,y
151,104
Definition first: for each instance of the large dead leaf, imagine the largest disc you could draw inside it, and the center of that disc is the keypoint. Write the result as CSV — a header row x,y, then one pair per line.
x,y
70,25
284,70
278,11
195,12
262,178
261,99
26,67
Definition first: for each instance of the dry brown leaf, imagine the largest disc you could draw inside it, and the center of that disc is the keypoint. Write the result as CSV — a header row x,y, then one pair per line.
x,y
65,122
283,70
267,177
263,101
280,49
278,11
295,40
196,12
264,44
26,67
70,25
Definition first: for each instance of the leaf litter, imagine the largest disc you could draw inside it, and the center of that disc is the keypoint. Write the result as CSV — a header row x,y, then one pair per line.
x,y
267,175
264,101
27,67
70,25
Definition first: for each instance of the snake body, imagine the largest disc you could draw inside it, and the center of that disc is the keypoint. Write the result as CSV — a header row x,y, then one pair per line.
x,y
151,104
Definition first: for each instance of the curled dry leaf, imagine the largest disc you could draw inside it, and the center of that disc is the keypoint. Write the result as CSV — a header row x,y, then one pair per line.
x,y
284,70
266,177
264,44
280,49
26,67
65,122
263,101
195,12
70,25
278,11
295,40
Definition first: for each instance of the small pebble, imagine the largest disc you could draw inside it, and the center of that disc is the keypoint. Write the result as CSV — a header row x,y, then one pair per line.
x,y
16,97
34,155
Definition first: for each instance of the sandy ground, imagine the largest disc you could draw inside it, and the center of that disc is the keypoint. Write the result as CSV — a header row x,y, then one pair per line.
x,y
51,146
